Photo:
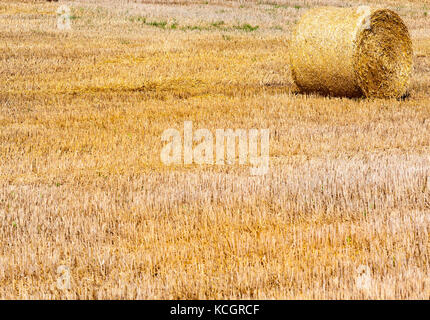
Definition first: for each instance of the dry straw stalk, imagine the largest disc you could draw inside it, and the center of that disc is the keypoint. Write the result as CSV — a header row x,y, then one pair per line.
x,y
352,52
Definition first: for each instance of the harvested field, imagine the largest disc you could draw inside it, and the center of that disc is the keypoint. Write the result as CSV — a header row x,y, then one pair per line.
x,y
83,190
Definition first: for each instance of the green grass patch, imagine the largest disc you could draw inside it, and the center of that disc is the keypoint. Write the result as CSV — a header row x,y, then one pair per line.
x,y
157,24
193,28
279,6
246,27
217,24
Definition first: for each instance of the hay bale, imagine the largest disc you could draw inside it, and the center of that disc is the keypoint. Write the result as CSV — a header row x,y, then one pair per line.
x,y
352,52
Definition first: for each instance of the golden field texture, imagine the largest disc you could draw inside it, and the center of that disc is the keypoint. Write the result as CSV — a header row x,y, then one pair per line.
x,y
83,190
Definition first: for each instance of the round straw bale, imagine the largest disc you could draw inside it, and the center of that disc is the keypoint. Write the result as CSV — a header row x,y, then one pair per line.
x,y
351,52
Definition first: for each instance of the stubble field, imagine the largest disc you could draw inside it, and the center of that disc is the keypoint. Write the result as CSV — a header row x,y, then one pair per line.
x,y
83,190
